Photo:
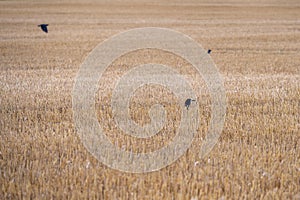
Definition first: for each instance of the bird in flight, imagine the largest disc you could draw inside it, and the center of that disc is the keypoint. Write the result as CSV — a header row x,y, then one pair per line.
x,y
188,103
208,51
44,27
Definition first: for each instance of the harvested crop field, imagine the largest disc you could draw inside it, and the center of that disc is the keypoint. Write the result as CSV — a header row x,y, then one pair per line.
x,y
256,47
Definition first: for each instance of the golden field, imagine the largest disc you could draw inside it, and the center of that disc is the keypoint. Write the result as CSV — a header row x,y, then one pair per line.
x,y
256,47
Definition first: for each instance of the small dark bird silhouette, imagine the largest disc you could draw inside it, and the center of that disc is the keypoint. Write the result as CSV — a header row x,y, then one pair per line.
x,y
208,51
188,103
44,27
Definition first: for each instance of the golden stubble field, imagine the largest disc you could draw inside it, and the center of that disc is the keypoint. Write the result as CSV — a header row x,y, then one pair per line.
x,y
256,47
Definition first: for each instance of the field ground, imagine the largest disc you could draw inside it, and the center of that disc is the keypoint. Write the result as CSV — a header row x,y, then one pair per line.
x,y
256,47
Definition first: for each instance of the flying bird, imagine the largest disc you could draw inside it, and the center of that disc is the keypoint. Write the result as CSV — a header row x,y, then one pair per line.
x,y
44,27
188,103
208,51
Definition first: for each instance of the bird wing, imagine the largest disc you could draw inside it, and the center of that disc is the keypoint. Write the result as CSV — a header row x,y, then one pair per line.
x,y
45,29
187,102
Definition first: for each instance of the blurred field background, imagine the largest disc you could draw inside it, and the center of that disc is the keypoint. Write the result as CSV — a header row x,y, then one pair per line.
x,y
256,47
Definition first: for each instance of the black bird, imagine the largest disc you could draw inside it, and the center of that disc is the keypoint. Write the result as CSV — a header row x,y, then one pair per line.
x,y
208,51
44,27
188,103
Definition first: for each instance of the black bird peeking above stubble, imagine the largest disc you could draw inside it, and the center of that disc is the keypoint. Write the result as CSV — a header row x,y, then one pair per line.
x,y
44,27
188,102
